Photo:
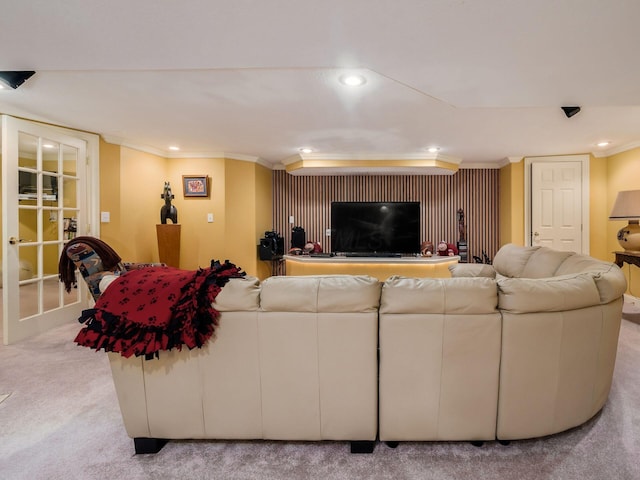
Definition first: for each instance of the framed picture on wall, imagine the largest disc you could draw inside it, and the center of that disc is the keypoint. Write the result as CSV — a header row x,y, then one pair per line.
x,y
195,185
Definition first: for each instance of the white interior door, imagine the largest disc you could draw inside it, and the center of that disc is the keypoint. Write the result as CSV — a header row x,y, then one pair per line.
x,y
44,199
556,205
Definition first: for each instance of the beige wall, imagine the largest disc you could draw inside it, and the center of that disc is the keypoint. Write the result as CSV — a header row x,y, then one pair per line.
x,y
131,183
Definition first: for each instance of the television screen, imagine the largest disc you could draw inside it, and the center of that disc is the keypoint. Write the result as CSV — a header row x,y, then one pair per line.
x,y
28,186
375,227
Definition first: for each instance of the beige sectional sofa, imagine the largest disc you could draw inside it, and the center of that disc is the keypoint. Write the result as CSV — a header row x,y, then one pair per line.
x,y
520,349
295,358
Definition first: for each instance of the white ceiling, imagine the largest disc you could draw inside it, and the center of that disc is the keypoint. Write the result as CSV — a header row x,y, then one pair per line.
x,y
483,80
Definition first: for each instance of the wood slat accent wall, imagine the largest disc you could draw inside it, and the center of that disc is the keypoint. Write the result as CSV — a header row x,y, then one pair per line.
x,y
308,199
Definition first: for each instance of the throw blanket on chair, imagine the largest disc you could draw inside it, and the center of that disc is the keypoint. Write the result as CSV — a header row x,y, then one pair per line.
x,y
156,308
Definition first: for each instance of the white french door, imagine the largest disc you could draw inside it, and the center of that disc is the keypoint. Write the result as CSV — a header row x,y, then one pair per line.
x,y
44,200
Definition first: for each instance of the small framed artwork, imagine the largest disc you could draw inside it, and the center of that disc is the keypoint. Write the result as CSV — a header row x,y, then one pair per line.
x,y
195,185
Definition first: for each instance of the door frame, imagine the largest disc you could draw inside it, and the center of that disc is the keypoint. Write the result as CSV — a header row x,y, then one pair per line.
x,y
92,196
584,160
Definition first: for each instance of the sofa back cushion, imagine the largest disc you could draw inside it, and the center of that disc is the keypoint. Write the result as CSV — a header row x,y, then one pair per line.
x,y
515,261
239,294
472,270
462,295
555,294
321,293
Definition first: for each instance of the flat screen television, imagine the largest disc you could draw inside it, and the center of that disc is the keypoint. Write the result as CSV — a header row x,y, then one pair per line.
x,y
375,227
28,186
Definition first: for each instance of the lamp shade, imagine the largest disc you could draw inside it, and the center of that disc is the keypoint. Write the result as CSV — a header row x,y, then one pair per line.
x,y
627,206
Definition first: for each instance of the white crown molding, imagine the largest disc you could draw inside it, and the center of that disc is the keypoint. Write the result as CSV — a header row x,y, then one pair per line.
x,y
141,148
616,150
480,165
171,154
370,157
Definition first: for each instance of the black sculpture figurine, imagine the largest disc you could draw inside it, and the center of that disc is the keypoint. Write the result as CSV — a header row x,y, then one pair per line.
x,y
462,231
168,210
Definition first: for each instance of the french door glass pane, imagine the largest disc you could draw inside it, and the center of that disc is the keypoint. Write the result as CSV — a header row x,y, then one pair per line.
x,y
28,225
28,151
50,154
69,160
69,191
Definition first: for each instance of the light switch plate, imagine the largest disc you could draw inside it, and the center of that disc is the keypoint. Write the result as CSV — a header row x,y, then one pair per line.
x,y
105,217
210,217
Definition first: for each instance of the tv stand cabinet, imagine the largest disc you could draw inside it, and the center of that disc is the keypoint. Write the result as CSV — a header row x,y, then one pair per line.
x,y
378,267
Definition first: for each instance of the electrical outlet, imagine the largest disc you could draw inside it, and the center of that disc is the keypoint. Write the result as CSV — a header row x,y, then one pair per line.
x,y
328,232
291,219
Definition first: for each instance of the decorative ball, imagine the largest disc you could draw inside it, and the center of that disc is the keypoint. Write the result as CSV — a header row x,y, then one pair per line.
x,y
312,247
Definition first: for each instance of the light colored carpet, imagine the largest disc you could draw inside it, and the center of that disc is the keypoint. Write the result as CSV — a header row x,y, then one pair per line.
x,y
62,421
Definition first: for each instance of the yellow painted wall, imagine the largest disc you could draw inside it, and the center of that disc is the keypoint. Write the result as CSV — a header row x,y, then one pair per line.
x,y
131,183
512,203
598,209
264,213
110,197
249,214
200,241
142,177
623,173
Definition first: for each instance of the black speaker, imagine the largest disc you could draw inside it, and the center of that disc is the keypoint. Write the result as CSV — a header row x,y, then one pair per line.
x,y
271,247
570,111
266,249
298,237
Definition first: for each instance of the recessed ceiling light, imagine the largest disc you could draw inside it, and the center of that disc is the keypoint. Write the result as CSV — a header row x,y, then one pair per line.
x,y
306,150
174,148
603,144
47,145
353,80
433,149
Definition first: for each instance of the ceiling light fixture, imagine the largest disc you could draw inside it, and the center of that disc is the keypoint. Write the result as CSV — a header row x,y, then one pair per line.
x,y
14,79
433,149
306,150
353,80
174,148
603,144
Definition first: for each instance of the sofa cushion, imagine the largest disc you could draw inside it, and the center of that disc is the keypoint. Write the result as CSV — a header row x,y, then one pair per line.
x,y
555,294
610,280
439,295
320,293
346,293
511,260
544,262
239,294
472,270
